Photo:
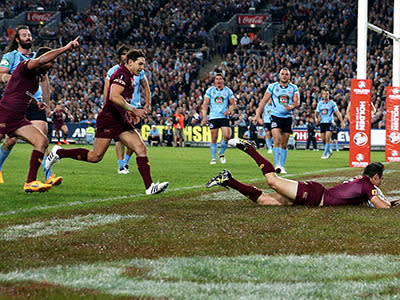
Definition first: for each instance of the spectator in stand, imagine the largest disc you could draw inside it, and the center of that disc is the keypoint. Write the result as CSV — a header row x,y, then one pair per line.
x,y
168,136
154,138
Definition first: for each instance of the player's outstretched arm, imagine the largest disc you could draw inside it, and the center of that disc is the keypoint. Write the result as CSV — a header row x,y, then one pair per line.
x,y
52,54
378,202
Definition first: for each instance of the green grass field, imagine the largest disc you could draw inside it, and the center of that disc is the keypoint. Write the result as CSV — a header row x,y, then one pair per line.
x,y
97,236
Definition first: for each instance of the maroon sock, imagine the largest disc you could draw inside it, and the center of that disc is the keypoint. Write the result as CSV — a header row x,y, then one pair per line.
x,y
144,170
265,165
77,153
249,191
35,162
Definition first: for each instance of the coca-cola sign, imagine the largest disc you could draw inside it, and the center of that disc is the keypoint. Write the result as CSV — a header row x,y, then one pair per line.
x,y
250,19
39,16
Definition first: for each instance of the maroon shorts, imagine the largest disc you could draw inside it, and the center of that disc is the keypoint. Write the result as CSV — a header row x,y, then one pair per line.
x,y
9,122
309,193
109,127
58,125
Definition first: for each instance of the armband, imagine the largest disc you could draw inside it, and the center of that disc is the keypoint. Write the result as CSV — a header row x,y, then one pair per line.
x,y
128,107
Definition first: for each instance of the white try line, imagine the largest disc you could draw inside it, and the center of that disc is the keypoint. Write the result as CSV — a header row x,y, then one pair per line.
x,y
111,199
242,277
59,226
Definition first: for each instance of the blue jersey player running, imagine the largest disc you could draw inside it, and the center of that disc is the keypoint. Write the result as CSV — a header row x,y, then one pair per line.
x,y
325,110
284,97
267,126
20,49
222,103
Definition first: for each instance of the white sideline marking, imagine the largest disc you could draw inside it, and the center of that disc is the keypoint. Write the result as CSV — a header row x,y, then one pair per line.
x,y
243,277
57,226
76,203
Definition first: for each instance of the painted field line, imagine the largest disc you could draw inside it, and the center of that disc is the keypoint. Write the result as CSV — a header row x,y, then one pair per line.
x,y
100,200
242,277
58,226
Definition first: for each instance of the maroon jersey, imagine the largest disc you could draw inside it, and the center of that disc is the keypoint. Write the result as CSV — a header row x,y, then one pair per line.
x,y
20,89
124,78
58,116
355,192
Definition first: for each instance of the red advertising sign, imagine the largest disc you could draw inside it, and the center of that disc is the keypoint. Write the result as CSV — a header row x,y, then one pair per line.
x,y
360,123
250,19
393,124
39,16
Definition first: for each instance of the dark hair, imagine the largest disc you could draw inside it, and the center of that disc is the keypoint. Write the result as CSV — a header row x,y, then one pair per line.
x,y
121,50
219,74
13,44
325,88
41,51
134,54
374,168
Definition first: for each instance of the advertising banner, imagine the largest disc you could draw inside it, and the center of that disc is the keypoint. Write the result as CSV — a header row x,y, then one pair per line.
x,y
392,124
39,17
360,123
251,19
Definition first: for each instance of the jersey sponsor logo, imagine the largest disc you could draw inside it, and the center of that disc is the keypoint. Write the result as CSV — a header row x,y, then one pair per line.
x,y
283,99
325,111
219,100
5,62
121,82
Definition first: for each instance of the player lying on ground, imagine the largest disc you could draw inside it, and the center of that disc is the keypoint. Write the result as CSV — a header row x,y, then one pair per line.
x,y
360,190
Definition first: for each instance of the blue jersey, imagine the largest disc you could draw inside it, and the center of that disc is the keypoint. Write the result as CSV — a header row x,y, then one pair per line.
x,y
12,59
219,101
111,71
326,110
267,113
136,100
280,97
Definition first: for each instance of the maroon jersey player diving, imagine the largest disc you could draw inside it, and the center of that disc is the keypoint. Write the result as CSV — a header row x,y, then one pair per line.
x,y
19,92
113,123
361,190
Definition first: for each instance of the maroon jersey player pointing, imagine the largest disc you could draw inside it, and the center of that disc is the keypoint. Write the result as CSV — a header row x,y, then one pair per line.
x,y
113,122
19,92
361,190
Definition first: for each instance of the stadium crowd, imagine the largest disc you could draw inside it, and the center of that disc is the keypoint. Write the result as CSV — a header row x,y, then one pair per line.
x,y
174,35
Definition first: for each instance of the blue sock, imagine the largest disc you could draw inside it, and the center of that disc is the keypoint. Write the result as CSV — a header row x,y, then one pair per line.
x,y
224,145
330,148
121,163
49,173
269,144
127,158
277,153
214,148
283,157
3,155
337,147
326,151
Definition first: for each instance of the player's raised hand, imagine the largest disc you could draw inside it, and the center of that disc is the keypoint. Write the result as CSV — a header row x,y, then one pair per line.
x,y
73,44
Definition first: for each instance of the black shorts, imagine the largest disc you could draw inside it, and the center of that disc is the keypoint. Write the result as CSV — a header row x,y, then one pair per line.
x,y
284,124
267,126
33,113
324,127
334,136
218,123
